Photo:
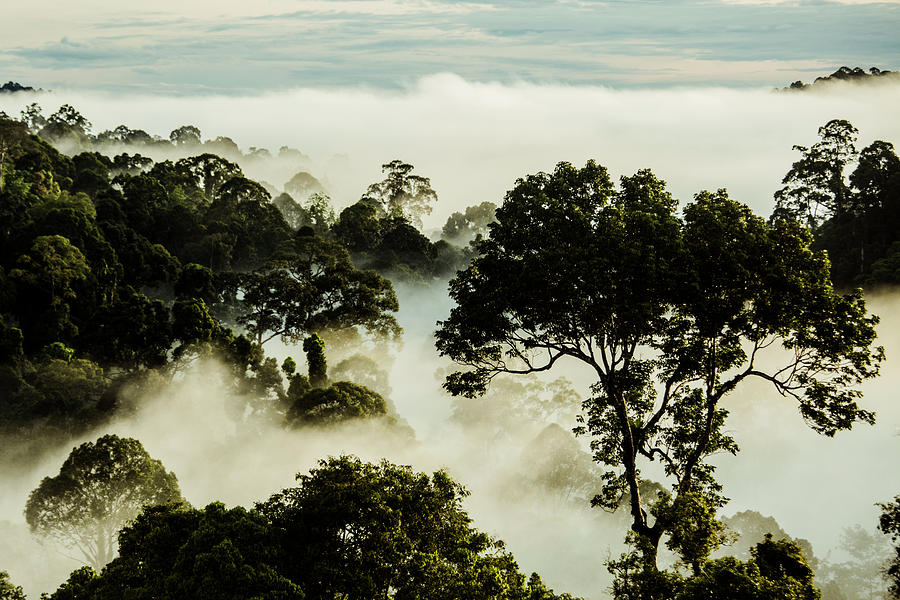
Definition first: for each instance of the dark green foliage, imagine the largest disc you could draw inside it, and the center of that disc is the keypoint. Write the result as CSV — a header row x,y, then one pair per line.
x,y
855,218
358,530
46,279
197,281
100,487
348,530
133,332
186,135
358,227
314,348
65,396
777,570
391,244
174,552
889,524
8,591
341,401
313,286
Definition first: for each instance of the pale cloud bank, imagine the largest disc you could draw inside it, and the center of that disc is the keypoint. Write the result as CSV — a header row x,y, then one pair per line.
x,y
474,139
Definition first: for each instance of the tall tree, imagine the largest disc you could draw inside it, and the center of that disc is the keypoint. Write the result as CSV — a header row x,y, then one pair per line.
x,y
186,135
889,524
100,487
815,188
313,286
670,313
402,194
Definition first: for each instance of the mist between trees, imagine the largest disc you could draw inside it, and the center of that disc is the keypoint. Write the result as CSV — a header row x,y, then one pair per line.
x,y
242,331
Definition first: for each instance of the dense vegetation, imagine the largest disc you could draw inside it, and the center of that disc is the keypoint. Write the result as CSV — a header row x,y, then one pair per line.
x,y
846,74
113,267
117,270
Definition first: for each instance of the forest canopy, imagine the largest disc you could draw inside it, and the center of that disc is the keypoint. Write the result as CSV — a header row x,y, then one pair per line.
x,y
118,272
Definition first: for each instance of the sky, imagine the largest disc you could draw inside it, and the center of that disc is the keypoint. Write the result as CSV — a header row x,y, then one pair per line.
x,y
238,47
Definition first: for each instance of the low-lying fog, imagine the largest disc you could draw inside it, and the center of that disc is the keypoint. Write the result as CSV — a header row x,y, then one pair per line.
x,y
473,140
813,486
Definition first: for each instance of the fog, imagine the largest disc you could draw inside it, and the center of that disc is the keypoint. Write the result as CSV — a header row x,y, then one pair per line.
x,y
473,141
814,486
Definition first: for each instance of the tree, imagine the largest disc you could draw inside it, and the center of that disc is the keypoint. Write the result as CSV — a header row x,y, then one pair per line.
x,y
186,135
314,347
46,278
303,185
12,135
101,486
670,313
358,227
340,401
473,222
348,530
313,286
8,591
357,530
777,570
751,528
402,194
889,524
815,188
859,577
173,551
33,118
208,172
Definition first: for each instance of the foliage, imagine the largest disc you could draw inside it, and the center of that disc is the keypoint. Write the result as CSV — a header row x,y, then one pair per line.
x,y
750,528
8,591
889,524
359,530
815,187
348,530
311,286
101,486
63,395
467,225
316,362
341,401
402,194
854,218
860,575
670,312
777,571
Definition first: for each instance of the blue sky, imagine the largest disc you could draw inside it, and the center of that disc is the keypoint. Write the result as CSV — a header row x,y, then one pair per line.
x,y
238,47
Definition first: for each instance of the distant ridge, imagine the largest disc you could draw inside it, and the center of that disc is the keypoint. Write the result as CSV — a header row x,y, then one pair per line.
x,y
12,87
846,74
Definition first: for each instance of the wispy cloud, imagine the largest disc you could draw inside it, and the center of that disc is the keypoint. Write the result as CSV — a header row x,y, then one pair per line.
x,y
237,46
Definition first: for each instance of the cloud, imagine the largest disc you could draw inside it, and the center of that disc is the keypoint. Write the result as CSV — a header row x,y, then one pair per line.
x,y
474,139
390,42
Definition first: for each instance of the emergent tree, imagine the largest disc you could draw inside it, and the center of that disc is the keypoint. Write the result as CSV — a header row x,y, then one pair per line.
x,y
101,486
671,313
312,286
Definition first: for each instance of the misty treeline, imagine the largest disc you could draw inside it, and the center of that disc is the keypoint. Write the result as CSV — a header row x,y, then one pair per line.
x,y
119,271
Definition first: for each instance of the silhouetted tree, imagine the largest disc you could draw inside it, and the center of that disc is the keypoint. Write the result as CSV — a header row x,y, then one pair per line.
x,y
670,312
